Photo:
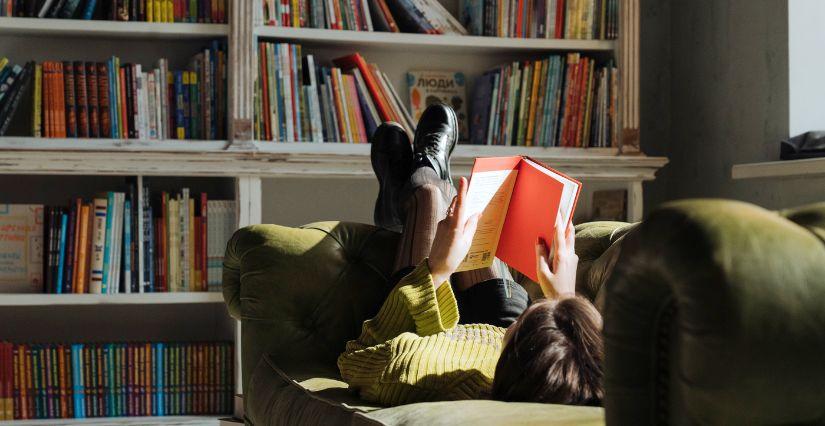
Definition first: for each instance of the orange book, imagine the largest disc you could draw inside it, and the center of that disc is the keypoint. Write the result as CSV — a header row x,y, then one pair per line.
x,y
538,71
82,263
519,200
381,103
339,105
354,109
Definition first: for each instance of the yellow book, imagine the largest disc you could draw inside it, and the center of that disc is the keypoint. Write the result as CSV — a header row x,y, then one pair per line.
x,y
295,8
3,63
588,105
159,8
194,282
538,71
150,11
37,102
170,11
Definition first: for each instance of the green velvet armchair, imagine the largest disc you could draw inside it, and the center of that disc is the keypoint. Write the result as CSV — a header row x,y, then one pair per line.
x,y
714,312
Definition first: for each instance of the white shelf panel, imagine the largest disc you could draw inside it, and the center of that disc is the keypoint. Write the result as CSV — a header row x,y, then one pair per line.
x,y
790,168
109,29
427,42
160,420
271,159
39,299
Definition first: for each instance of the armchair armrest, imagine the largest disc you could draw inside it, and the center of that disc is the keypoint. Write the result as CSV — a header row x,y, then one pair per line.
x,y
715,314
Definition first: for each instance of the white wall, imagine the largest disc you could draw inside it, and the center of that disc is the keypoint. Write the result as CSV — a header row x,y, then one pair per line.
x,y
806,62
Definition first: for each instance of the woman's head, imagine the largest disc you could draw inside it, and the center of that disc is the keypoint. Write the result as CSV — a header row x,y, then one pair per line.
x,y
553,354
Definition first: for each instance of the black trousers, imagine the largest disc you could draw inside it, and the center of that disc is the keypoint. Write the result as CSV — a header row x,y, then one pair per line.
x,y
496,302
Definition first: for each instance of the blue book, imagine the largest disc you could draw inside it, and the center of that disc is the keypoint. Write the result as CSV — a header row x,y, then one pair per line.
x,y
107,247
159,379
480,109
90,9
64,219
109,357
180,119
297,83
127,243
111,66
77,385
369,121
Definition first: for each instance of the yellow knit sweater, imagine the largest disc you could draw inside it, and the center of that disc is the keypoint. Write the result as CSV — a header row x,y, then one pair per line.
x,y
414,350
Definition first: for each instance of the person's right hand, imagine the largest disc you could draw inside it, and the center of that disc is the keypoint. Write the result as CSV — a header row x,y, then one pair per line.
x,y
559,281
453,238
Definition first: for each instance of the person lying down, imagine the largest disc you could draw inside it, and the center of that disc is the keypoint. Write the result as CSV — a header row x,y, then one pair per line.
x,y
442,335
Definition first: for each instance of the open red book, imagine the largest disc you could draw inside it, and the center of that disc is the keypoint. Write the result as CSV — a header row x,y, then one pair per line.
x,y
519,199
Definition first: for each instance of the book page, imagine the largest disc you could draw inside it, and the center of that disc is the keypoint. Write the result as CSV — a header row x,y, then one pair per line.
x,y
489,194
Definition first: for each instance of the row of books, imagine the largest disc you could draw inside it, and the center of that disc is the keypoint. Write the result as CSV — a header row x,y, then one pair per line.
x,y
121,242
81,380
14,85
114,100
202,11
567,19
298,100
409,16
567,101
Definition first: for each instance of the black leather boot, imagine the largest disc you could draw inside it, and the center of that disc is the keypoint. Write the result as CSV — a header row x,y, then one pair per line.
x,y
391,156
435,139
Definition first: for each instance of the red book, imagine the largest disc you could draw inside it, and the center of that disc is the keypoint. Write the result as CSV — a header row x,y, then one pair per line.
x,y
124,129
70,100
560,19
105,121
264,76
385,11
92,99
357,61
519,200
59,96
81,100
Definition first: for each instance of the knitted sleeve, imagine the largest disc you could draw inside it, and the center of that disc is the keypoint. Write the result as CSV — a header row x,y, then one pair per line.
x,y
414,305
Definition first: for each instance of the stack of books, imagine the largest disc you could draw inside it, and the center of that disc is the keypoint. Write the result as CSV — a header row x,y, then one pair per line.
x,y
202,11
409,16
15,81
52,381
566,101
120,242
298,100
568,19
114,100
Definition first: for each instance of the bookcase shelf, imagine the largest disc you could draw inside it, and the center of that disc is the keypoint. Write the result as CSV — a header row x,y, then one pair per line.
x,y
273,159
110,29
111,421
354,40
38,299
82,144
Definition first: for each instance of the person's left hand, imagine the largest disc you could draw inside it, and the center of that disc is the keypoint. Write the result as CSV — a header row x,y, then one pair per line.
x,y
453,238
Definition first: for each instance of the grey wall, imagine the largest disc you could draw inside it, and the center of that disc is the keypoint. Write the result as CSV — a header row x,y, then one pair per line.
x,y
717,73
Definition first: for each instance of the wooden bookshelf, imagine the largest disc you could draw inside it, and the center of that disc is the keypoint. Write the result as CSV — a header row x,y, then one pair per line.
x,y
172,298
247,162
109,29
423,43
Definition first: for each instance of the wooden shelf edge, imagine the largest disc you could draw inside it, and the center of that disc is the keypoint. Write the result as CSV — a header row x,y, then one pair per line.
x,y
789,168
39,299
80,27
26,143
428,41
270,159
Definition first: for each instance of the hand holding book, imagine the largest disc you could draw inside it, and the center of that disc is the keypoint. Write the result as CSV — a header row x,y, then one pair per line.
x,y
452,237
556,269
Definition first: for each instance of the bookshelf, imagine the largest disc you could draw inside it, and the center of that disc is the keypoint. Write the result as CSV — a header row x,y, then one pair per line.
x,y
45,170
118,421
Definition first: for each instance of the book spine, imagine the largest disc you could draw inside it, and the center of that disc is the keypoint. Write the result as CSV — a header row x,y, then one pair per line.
x,y
104,107
70,101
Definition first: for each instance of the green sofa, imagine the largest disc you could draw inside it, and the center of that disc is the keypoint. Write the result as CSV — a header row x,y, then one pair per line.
x,y
714,313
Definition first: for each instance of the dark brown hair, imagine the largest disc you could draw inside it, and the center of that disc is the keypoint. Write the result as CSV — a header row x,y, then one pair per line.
x,y
553,354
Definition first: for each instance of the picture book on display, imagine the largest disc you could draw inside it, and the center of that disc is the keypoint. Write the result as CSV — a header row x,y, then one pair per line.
x,y
519,200
446,87
21,248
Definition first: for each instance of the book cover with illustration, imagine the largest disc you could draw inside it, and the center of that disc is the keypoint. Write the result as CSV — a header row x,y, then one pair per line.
x,y
447,87
21,248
